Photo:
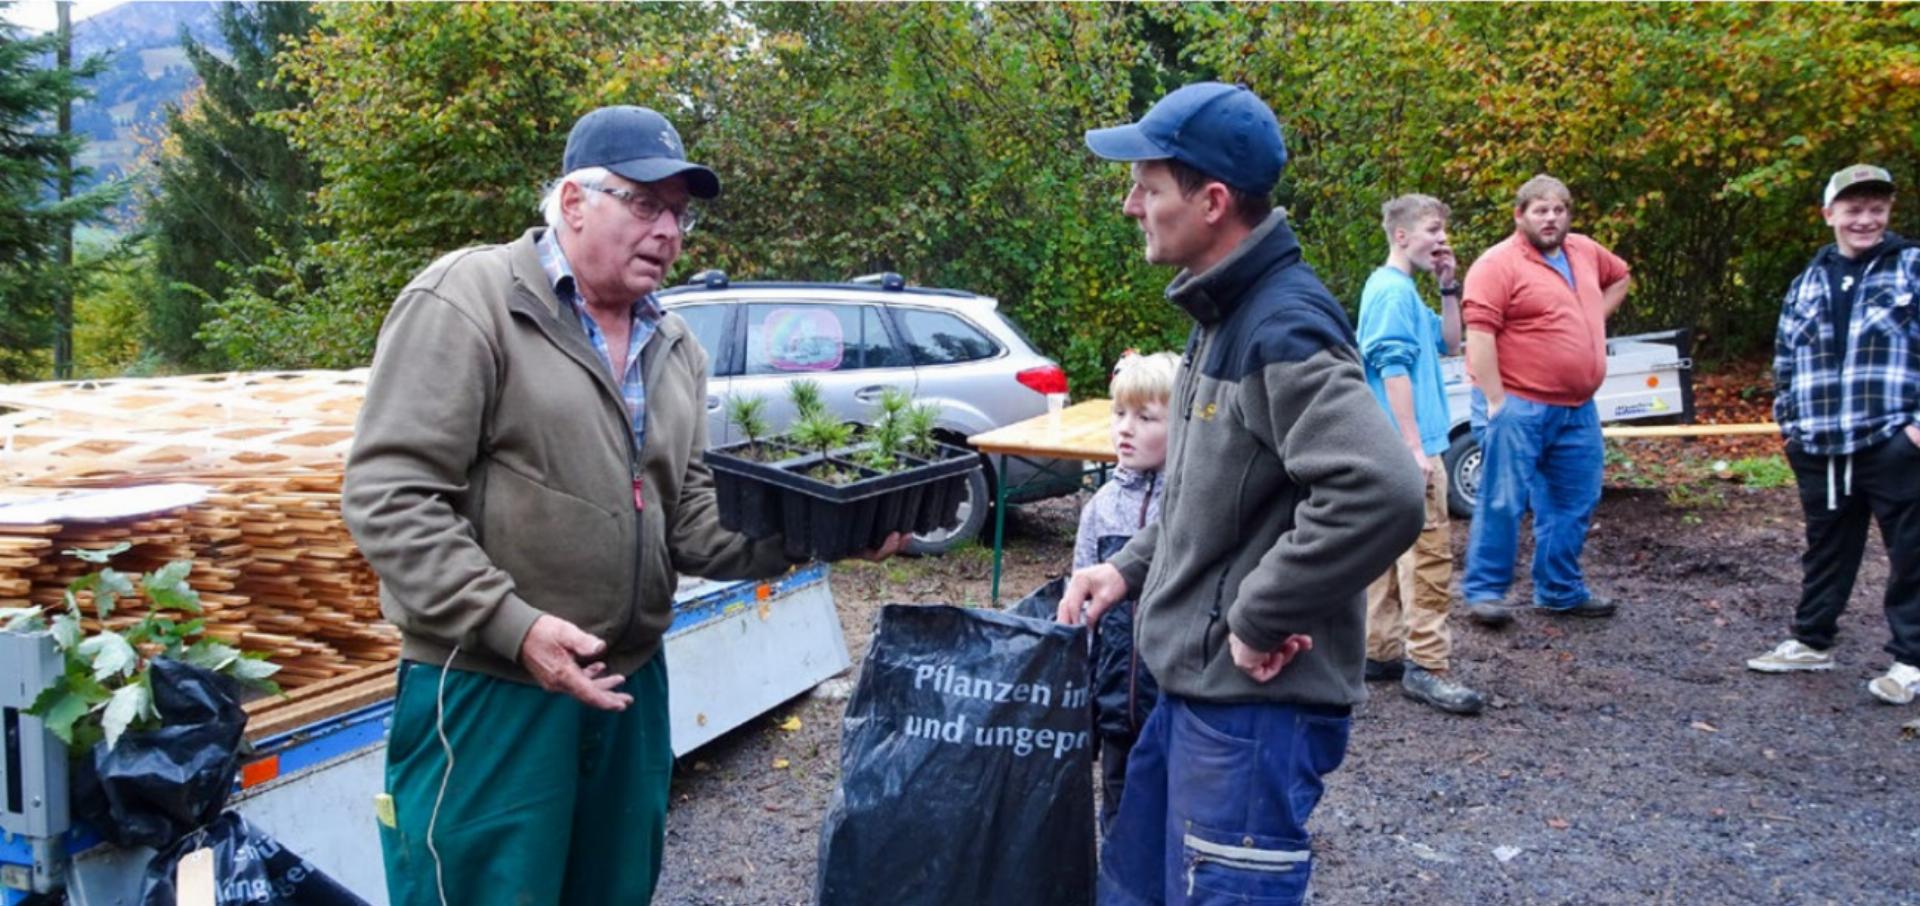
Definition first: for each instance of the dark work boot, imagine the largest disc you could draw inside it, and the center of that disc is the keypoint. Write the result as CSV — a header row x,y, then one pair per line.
x,y
1423,685
1593,607
1384,671
1489,613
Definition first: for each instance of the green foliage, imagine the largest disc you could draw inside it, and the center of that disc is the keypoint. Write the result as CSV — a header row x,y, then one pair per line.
x,y
944,141
104,690
32,220
820,432
224,189
892,404
888,433
1762,471
805,396
917,423
749,414
1695,495
433,127
883,441
1695,146
111,309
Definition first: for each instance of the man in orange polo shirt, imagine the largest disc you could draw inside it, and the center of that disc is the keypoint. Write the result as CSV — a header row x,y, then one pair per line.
x,y
1536,308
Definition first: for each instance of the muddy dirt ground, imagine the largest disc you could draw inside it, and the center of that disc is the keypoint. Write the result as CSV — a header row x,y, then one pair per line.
x,y
1632,760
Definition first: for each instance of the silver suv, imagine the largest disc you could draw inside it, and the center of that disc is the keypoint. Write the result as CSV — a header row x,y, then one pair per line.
x,y
864,337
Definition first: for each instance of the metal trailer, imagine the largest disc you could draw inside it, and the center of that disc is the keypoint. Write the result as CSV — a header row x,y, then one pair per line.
x,y
734,651
1649,376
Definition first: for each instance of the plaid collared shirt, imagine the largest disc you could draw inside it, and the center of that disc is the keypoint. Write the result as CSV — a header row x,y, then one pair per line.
x,y
646,318
1832,397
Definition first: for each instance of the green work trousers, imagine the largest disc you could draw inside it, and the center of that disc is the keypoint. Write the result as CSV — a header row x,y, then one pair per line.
x,y
546,800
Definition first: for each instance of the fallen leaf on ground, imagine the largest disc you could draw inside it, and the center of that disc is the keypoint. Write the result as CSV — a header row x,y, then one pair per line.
x,y
1429,854
781,764
791,725
1558,823
1704,727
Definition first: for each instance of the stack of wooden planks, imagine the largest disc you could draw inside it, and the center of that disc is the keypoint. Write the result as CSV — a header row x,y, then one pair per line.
x,y
273,563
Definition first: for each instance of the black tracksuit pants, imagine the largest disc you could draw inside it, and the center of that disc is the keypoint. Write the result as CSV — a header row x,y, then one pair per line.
x,y
1885,488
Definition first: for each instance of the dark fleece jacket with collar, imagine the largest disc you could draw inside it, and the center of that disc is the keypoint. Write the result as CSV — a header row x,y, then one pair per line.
x,y
1287,489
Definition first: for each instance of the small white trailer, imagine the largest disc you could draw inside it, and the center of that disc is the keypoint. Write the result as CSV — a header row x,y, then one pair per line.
x,y
1649,377
734,651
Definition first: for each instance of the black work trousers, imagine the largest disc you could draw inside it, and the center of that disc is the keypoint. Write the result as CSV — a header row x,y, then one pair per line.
x,y
1885,487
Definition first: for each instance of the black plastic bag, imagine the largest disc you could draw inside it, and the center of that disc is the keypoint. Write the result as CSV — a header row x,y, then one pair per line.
x,y
1042,603
166,788
159,784
249,868
965,766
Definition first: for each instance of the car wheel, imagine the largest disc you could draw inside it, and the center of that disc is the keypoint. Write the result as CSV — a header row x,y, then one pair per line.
x,y
1462,460
973,515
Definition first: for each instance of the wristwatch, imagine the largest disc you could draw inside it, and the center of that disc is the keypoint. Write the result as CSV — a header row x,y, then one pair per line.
x,y
1451,289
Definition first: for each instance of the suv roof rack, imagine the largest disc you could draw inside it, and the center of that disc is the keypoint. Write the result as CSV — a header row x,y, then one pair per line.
x,y
887,280
712,278
883,282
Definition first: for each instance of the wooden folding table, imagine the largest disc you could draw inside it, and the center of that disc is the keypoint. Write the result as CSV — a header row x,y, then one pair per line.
x,y
1078,434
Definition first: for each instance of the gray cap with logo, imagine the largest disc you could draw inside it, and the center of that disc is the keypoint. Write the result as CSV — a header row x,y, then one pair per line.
x,y
1854,177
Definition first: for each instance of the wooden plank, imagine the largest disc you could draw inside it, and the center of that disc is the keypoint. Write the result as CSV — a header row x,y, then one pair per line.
x,y
273,721
1689,430
1081,431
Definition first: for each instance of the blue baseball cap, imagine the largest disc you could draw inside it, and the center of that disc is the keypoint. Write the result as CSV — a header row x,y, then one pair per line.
x,y
636,143
1224,131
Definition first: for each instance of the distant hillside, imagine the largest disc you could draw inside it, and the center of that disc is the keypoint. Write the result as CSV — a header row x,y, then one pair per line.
x,y
146,69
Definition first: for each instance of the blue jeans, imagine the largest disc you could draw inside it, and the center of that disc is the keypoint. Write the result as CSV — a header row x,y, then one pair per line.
x,y
1550,457
1477,416
1216,804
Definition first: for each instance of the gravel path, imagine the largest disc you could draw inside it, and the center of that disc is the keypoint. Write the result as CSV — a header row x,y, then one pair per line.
x,y
1633,760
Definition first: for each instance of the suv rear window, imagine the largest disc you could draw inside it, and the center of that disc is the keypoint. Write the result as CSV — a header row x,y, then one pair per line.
x,y
938,338
788,338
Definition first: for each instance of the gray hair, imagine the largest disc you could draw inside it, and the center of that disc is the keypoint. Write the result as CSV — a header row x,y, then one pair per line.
x,y
585,177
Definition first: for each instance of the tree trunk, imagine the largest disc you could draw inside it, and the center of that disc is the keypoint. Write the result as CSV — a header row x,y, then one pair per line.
x,y
63,294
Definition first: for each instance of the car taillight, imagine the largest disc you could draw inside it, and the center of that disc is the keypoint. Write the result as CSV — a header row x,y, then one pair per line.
x,y
1045,379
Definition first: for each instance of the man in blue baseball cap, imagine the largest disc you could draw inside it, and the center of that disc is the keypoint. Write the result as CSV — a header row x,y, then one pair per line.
x,y
1288,492
526,478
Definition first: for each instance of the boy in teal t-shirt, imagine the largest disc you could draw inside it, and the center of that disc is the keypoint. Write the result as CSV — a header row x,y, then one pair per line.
x,y
1401,342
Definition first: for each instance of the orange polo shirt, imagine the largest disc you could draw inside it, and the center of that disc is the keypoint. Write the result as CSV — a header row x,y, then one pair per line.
x,y
1552,338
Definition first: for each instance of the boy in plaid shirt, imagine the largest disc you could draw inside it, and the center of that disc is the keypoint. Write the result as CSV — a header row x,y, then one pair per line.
x,y
1847,382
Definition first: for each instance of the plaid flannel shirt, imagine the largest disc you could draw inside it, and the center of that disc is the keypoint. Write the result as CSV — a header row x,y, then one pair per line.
x,y
1832,401
646,318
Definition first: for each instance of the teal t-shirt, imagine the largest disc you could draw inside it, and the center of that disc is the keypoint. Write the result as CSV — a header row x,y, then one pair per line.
x,y
1400,337
1559,262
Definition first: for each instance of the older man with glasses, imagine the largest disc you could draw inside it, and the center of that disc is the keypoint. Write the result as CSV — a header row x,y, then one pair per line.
x,y
527,481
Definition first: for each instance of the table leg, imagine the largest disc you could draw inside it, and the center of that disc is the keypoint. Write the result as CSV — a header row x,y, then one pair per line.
x,y
999,522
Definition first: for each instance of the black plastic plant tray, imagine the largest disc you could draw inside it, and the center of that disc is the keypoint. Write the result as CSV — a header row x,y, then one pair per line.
x,y
831,522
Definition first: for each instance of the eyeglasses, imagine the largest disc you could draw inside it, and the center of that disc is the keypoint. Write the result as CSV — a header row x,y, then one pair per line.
x,y
648,209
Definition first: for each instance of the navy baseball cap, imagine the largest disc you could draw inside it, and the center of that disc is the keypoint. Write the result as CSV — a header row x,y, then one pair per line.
x,y
638,144
1224,131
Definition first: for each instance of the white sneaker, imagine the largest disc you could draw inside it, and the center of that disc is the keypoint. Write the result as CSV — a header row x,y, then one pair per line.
x,y
1898,686
1791,656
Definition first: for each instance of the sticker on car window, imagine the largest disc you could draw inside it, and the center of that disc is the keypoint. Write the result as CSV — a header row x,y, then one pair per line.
x,y
803,339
